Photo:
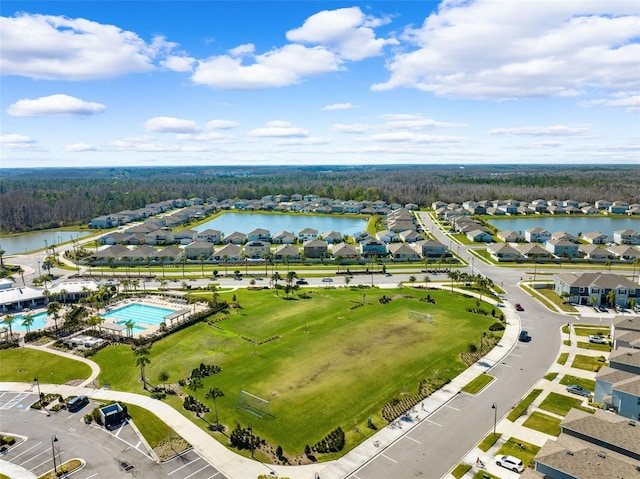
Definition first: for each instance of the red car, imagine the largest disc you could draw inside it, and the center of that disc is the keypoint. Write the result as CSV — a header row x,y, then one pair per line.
x,y
518,307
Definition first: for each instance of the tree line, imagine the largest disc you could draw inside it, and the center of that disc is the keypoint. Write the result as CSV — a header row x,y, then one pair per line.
x,y
32,199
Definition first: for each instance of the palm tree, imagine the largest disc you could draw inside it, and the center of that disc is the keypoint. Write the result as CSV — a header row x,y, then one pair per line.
x,y
213,393
63,294
135,283
275,277
142,359
2,252
130,324
454,276
27,321
214,290
225,258
163,377
53,309
267,259
202,258
195,383
426,280
611,298
94,320
412,279
9,319
347,280
632,303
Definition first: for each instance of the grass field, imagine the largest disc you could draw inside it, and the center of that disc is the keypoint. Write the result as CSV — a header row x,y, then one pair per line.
x,y
24,364
523,405
560,404
543,423
588,363
478,384
336,362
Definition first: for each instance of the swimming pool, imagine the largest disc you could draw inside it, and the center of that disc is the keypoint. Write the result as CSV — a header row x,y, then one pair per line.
x,y
139,313
39,322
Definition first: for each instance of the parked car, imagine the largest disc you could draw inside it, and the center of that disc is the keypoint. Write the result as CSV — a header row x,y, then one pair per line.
x,y
579,390
519,307
597,339
510,462
302,281
77,403
327,280
602,309
524,336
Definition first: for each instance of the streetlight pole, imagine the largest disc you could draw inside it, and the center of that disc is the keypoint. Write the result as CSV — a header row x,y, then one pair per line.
x,y
494,406
53,452
37,381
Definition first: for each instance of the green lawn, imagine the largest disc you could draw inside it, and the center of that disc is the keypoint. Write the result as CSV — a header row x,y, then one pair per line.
x,y
562,359
335,364
588,363
550,376
489,441
520,449
560,404
478,384
522,406
594,346
589,384
588,330
460,470
543,423
24,364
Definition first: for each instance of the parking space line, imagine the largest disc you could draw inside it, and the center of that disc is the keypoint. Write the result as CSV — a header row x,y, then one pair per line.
x,y
12,402
214,475
412,439
24,452
184,465
392,460
46,451
429,420
451,407
194,473
92,475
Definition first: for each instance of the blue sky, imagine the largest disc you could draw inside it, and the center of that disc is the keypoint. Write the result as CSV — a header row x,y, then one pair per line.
x,y
124,83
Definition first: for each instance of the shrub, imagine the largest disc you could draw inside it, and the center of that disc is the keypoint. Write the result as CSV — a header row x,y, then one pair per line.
x,y
334,442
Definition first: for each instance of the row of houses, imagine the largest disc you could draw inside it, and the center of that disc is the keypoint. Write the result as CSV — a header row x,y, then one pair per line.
x,y
604,444
596,289
541,235
561,248
261,250
540,206
198,207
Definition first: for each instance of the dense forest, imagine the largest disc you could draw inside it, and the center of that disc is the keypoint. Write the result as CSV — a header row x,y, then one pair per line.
x,y
45,198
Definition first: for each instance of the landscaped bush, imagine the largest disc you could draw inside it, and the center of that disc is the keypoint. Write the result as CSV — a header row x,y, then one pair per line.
x,y
334,442
497,327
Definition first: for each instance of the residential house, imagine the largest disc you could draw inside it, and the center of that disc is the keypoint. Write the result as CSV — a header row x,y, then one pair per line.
x,y
596,288
235,238
596,237
162,236
562,248
479,236
198,249
625,332
307,234
372,247
595,253
283,237
113,238
589,210
563,235
229,252
410,236
332,237
624,252
101,222
387,236
509,236
287,252
537,235
618,208
172,254
114,252
259,234
623,393
402,252
257,249
626,237
144,251
533,251
503,252
602,204
589,446
185,236
315,249
344,250
210,236
430,249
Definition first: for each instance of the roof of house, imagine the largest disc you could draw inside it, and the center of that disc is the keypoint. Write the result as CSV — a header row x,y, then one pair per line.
x,y
627,322
602,280
605,428
627,356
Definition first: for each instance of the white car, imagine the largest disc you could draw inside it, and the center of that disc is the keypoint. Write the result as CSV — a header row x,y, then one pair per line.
x,y
597,339
510,462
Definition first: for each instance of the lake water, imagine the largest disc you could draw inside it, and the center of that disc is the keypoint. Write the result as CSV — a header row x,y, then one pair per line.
x,y
37,240
243,223
573,225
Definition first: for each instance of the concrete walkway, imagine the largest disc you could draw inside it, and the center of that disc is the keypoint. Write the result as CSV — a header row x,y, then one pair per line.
x,y
95,369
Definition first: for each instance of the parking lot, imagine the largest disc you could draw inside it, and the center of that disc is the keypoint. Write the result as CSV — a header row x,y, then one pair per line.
x,y
60,436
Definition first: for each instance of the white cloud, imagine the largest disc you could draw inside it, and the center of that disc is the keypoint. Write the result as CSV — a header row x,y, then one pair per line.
x,y
627,101
340,106
222,124
352,128
284,66
178,63
16,142
212,137
496,49
415,122
60,48
279,129
55,105
149,144
304,141
168,124
407,136
556,130
348,31
79,147
243,50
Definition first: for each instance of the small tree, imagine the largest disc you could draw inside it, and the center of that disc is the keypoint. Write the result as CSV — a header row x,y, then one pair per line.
x,y
195,383
213,393
163,377
412,279
142,354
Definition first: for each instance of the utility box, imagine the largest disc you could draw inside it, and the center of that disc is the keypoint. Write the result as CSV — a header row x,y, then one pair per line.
x,y
113,415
